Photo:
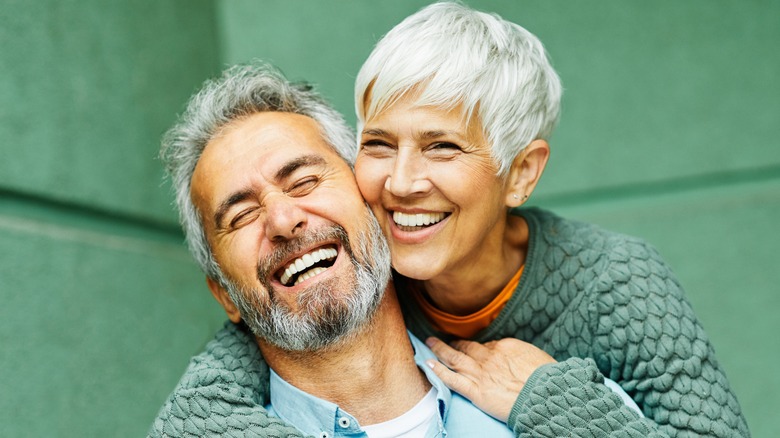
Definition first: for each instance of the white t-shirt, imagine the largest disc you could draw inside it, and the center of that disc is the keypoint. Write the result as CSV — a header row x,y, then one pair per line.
x,y
414,423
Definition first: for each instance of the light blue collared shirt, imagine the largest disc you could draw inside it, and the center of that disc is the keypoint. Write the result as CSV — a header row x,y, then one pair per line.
x,y
458,417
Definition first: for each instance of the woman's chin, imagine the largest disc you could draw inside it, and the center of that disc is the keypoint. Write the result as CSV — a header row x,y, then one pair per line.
x,y
416,268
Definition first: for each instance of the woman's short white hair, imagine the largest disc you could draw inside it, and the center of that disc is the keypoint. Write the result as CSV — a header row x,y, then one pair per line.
x,y
448,55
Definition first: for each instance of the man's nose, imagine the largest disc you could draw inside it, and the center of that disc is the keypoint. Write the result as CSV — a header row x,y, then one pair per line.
x,y
408,176
285,220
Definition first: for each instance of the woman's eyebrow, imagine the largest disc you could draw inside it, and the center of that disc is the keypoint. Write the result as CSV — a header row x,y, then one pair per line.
x,y
427,135
375,131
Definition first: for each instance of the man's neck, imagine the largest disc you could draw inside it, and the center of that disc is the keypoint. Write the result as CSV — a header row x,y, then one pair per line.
x,y
371,375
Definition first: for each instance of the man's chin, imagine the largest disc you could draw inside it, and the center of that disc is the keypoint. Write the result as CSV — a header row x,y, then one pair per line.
x,y
318,318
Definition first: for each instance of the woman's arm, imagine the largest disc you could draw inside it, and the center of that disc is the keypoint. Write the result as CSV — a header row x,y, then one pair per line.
x,y
223,392
641,333
492,375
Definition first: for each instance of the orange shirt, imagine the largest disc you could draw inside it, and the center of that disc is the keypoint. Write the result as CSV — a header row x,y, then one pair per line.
x,y
466,326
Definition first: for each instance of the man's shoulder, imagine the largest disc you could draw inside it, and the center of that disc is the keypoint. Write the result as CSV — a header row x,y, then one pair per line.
x,y
232,357
223,381
461,417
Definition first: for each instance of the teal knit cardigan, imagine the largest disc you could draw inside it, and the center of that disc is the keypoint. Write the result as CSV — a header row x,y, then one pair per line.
x,y
601,303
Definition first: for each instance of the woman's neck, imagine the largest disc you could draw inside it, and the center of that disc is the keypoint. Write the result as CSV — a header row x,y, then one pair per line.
x,y
463,290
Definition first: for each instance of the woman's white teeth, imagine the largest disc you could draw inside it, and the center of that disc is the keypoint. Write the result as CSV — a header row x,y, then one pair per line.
x,y
305,262
416,220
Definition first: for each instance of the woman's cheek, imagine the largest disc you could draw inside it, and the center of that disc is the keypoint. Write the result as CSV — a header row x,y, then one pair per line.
x,y
369,180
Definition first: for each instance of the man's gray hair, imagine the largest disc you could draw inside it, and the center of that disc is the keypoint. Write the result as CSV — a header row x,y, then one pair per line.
x,y
241,91
448,54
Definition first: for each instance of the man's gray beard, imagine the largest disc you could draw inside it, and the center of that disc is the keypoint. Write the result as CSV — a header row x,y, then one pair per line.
x,y
327,311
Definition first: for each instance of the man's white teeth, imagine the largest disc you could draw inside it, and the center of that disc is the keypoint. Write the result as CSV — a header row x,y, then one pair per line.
x,y
305,262
309,274
416,220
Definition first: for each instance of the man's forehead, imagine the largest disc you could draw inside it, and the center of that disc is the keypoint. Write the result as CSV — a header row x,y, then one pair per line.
x,y
271,138
265,146
266,130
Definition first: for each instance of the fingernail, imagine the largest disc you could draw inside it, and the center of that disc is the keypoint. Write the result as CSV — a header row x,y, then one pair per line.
x,y
430,363
430,341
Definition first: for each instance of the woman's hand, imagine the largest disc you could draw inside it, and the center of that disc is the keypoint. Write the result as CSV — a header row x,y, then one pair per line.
x,y
491,375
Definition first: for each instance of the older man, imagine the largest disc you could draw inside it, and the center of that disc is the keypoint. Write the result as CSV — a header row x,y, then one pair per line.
x,y
273,216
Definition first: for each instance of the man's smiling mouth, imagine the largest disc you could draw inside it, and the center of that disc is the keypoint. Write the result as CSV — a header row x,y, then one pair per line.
x,y
308,265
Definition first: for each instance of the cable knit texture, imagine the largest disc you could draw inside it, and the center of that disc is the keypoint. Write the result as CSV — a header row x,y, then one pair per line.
x,y
605,304
601,303
223,393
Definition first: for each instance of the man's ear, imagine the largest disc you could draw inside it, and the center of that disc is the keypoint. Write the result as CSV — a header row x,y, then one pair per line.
x,y
223,298
525,172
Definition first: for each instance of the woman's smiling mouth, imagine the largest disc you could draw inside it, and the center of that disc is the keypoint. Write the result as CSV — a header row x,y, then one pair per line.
x,y
417,221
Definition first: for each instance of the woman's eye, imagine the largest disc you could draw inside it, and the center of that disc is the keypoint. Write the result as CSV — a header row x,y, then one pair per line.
x,y
375,144
444,150
445,146
376,148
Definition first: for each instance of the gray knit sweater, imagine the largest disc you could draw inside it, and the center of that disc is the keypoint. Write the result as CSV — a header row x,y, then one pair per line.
x,y
605,304
602,304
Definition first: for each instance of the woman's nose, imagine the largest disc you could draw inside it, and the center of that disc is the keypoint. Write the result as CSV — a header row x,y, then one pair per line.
x,y
285,220
407,177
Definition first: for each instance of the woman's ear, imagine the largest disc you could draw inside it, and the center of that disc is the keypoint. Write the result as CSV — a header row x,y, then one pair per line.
x,y
223,298
525,172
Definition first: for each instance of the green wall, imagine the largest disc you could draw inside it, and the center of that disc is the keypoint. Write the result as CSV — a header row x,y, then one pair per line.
x,y
669,131
92,267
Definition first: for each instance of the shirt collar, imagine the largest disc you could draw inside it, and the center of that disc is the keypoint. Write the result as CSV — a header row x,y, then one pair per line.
x,y
421,354
312,415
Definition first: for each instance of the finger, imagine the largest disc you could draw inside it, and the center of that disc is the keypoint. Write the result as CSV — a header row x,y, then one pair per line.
x,y
456,382
471,348
448,355
497,404
490,344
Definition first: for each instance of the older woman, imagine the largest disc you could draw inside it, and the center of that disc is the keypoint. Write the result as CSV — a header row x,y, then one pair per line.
x,y
455,108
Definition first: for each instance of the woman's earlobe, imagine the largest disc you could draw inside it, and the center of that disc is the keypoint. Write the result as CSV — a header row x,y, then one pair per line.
x,y
515,200
525,172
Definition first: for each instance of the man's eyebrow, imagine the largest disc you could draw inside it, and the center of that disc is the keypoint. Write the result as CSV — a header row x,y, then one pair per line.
x,y
225,205
286,170
297,163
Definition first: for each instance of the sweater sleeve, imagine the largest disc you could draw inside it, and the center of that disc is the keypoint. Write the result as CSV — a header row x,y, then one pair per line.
x,y
206,412
645,337
223,393
569,399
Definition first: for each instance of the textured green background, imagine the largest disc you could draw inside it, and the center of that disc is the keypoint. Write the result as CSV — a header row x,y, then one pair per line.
x,y
670,131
